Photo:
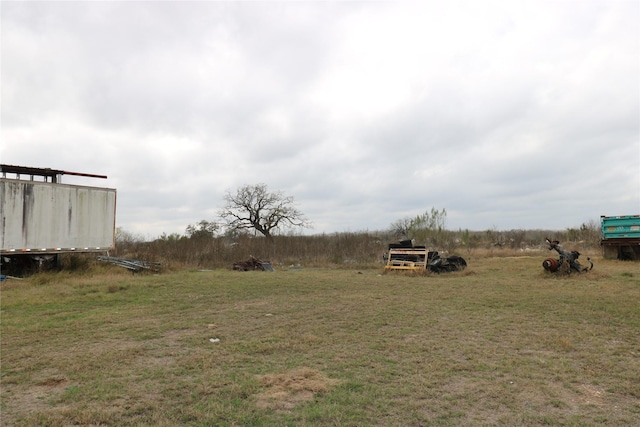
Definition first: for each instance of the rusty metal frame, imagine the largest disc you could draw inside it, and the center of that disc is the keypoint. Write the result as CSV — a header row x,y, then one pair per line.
x,y
44,172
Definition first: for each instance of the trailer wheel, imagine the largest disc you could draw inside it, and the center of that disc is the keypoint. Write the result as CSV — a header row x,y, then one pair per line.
x,y
550,264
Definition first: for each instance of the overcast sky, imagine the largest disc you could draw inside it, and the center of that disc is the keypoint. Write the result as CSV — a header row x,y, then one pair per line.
x,y
508,114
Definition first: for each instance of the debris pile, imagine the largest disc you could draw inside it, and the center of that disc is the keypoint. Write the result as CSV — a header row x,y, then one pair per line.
x,y
406,256
131,264
443,265
252,264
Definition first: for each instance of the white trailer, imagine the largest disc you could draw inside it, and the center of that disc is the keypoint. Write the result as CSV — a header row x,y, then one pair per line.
x,y
50,218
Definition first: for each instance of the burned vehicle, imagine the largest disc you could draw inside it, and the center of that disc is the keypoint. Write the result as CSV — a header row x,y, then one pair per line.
x,y
567,261
406,256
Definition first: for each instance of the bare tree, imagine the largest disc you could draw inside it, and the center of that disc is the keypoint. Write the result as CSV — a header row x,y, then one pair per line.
x,y
254,206
402,228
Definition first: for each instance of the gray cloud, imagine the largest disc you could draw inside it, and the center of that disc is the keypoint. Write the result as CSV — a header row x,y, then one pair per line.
x,y
509,115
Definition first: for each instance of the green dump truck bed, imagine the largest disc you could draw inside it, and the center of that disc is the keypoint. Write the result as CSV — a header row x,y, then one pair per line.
x,y
620,236
620,227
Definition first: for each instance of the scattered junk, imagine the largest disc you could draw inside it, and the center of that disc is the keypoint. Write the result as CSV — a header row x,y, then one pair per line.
x,y
132,264
568,260
443,265
5,277
406,256
252,264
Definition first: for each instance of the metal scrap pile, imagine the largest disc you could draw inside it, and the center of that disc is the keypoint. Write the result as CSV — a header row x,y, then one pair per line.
x,y
252,264
405,256
567,261
131,264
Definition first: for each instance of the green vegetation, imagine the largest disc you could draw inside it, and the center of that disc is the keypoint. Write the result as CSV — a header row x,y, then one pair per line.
x,y
501,343
429,227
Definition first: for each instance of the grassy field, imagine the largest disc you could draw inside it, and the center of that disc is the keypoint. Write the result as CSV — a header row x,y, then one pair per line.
x,y
502,343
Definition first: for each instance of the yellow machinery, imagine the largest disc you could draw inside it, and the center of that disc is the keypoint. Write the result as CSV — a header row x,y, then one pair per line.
x,y
407,259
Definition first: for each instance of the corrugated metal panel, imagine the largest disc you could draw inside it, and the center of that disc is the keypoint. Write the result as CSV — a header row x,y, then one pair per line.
x,y
617,227
46,217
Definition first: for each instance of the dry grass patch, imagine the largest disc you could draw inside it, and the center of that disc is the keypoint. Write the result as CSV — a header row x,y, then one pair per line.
x,y
286,390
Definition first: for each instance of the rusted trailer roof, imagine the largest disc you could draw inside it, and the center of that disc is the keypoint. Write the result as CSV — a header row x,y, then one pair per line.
x,y
44,172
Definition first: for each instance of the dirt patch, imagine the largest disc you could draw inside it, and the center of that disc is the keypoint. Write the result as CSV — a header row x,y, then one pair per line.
x,y
592,395
286,390
53,382
20,399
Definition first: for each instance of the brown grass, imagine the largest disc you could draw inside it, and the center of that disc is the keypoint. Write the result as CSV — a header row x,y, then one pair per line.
x,y
502,343
344,249
286,390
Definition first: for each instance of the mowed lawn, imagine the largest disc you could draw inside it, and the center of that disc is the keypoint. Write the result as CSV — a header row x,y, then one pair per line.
x,y
502,343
